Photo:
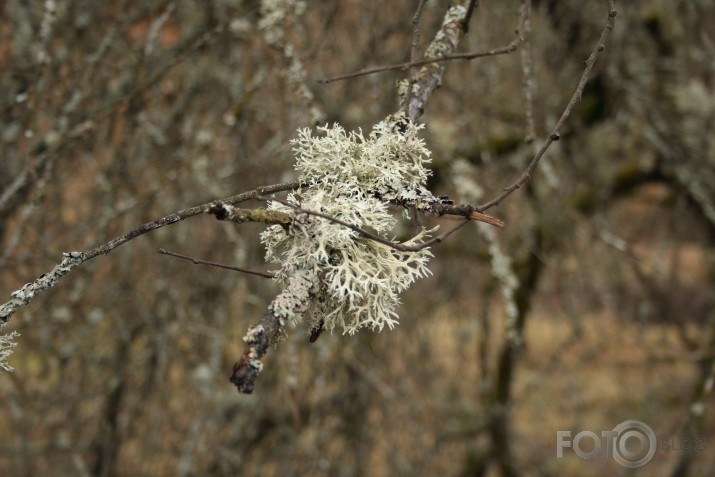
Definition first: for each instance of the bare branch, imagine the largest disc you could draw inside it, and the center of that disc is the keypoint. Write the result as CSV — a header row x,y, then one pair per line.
x,y
72,259
185,214
416,30
415,41
555,132
198,261
504,50
527,68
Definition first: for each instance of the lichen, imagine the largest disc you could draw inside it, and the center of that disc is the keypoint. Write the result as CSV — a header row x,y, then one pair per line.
x,y
7,343
352,178
48,280
448,36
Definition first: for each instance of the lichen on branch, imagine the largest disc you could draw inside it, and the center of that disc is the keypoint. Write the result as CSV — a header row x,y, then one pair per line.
x,y
352,178
291,303
47,280
7,343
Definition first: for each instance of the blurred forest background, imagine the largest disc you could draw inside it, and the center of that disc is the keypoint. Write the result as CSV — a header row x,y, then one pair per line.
x,y
119,112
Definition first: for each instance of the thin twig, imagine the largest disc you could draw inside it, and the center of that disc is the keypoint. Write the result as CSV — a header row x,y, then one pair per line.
x,y
415,43
510,48
416,30
527,68
504,50
199,261
555,132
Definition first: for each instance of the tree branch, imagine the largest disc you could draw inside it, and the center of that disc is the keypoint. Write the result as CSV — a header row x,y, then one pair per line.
x,y
400,247
288,306
429,77
70,260
198,261
555,132
240,216
503,50
416,30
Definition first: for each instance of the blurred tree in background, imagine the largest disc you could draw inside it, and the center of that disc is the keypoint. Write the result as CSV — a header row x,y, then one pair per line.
x,y
594,305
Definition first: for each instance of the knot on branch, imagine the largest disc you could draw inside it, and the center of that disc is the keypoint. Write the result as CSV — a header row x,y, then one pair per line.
x,y
234,214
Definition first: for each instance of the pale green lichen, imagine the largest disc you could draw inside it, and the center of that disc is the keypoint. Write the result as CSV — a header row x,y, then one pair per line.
x,y
252,333
352,178
503,272
7,343
448,36
295,299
